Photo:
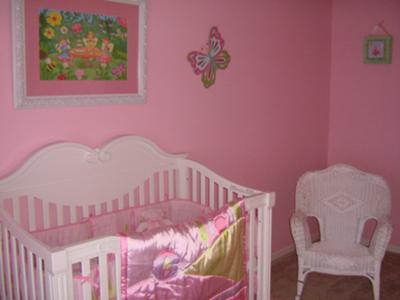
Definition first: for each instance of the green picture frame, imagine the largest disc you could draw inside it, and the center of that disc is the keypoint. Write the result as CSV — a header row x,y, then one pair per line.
x,y
378,49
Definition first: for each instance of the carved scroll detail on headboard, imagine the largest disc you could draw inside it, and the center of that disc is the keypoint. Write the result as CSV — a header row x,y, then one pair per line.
x,y
97,156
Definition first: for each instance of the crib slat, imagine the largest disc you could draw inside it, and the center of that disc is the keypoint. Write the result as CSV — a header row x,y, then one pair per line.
x,y
7,261
203,189
60,215
194,185
212,195
230,195
24,285
161,186
220,196
31,214
170,184
251,262
46,214
141,195
2,275
131,198
260,283
74,214
70,283
108,206
16,210
103,277
49,286
14,266
31,276
266,246
39,262
85,211
97,209
120,203
117,275
151,189
86,288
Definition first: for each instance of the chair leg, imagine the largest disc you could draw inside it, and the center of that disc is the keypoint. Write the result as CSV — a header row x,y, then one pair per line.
x,y
376,287
301,278
376,280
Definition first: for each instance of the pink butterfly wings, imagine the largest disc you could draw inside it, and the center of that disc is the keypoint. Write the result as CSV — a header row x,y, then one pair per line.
x,y
216,58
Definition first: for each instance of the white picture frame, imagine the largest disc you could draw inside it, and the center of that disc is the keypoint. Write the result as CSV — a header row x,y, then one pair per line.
x,y
22,100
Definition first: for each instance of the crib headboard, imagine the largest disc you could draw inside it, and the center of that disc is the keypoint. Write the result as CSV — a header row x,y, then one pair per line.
x,y
76,175
67,182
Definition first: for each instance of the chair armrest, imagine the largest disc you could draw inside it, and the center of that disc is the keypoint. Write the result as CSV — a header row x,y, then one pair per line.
x,y
300,232
380,239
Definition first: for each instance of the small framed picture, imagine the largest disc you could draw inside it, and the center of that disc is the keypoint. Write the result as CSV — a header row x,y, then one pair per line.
x,y
377,49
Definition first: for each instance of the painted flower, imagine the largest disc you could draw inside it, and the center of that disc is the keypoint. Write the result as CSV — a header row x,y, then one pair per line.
x,y
49,33
118,71
64,29
76,27
61,77
104,59
54,18
121,22
376,52
79,73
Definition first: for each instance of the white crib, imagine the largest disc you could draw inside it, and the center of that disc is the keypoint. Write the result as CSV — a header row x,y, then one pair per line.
x,y
65,183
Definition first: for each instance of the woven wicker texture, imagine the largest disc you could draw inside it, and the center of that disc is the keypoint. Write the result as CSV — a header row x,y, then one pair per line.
x,y
342,199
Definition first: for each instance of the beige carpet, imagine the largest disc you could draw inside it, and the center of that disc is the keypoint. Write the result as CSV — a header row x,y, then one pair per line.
x,y
329,287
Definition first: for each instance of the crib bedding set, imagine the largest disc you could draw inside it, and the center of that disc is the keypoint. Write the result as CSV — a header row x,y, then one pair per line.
x,y
197,242
162,255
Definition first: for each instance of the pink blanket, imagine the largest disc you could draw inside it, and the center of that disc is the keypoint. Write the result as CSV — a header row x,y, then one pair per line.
x,y
201,259
204,259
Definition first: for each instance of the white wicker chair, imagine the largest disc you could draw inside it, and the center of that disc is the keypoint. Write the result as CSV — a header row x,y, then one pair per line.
x,y
342,199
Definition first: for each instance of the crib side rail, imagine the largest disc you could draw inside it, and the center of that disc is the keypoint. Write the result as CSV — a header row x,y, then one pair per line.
x,y
97,251
259,207
202,185
30,270
27,267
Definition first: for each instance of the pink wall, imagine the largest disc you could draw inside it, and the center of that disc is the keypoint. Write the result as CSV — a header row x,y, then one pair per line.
x,y
263,123
365,106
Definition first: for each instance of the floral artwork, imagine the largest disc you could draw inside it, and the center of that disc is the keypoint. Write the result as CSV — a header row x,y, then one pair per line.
x,y
82,46
377,49
215,58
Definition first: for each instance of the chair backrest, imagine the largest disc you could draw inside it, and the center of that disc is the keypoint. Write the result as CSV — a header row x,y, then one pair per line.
x,y
342,198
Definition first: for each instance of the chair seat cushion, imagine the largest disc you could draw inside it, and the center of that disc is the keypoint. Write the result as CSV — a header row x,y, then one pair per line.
x,y
330,258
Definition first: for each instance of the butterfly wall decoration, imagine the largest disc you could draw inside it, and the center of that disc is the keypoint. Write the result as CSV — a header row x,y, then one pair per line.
x,y
208,63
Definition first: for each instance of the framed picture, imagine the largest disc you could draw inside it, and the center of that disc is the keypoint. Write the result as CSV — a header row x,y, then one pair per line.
x,y
377,49
78,52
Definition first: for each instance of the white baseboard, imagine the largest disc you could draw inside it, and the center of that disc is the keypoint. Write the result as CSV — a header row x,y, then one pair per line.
x,y
276,255
394,248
